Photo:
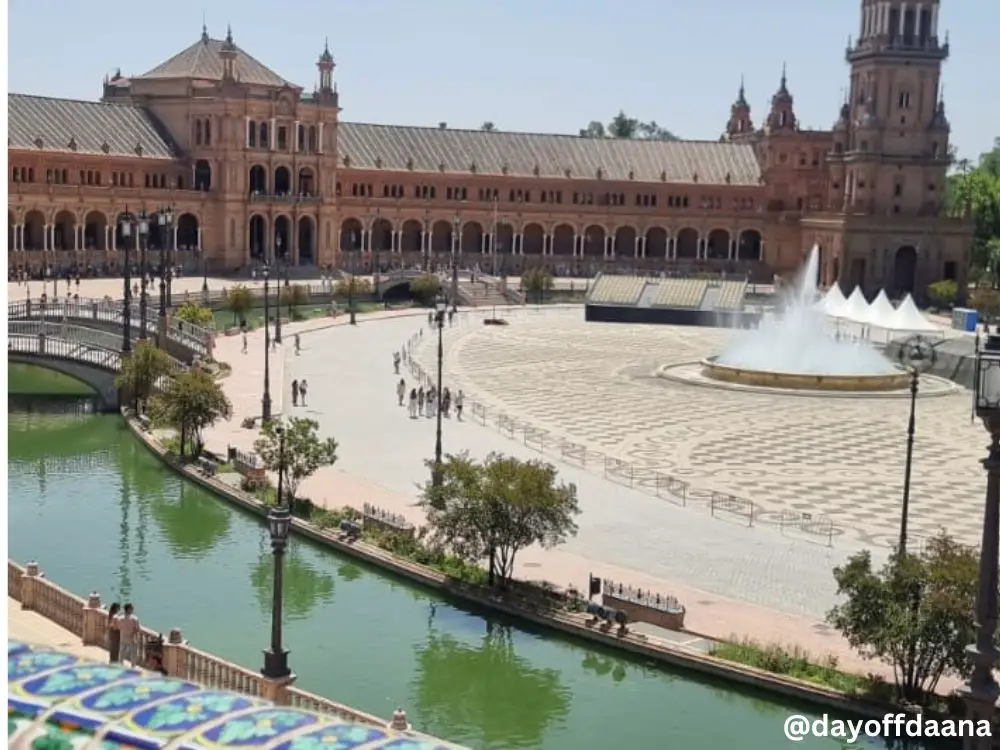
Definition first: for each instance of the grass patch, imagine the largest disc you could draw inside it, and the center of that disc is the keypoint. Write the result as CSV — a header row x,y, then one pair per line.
x,y
795,663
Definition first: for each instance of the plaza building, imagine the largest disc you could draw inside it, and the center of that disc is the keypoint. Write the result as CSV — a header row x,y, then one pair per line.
x,y
255,168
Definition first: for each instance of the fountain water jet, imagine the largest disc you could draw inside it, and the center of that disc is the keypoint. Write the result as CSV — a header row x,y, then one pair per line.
x,y
795,349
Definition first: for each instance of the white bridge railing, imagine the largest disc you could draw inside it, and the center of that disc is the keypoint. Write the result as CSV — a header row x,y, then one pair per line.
x,y
44,345
194,338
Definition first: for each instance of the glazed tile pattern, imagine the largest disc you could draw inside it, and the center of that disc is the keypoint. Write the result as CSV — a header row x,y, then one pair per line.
x,y
61,702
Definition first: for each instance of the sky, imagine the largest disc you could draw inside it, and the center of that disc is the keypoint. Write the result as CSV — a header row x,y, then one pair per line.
x,y
525,65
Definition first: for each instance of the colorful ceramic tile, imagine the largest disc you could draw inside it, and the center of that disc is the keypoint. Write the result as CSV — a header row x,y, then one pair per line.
x,y
16,647
118,739
186,712
73,720
17,724
29,707
124,697
28,663
257,728
407,743
54,738
72,680
334,737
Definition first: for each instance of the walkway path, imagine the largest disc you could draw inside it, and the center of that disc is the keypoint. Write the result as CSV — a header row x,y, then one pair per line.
x,y
734,581
30,627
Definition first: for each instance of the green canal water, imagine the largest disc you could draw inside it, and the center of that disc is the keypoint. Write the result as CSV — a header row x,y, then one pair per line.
x,y
100,513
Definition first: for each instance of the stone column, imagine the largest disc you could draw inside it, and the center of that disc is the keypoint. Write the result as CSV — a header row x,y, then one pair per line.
x,y
916,27
94,622
934,20
276,691
902,18
295,137
110,239
518,244
272,135
732,248
199,239
319,138
29,585
246,132
175,654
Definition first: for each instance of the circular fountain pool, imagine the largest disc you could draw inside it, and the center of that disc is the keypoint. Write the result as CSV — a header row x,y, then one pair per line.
x,y
883,381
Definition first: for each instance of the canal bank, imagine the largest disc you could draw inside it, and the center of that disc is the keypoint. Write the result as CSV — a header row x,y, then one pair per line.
x,y
142,532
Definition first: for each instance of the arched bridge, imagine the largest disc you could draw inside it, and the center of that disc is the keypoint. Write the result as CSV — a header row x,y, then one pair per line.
x,y
72,350
184,340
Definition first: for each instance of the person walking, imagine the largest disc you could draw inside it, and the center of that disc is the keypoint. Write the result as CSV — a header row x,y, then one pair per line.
x,y
298,345
295,393
114,634
395,362
401,390
446,403
131,631
459,403
303,386
421,400
244,342
413,403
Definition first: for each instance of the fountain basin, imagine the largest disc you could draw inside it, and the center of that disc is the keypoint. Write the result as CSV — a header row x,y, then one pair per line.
x,y
804,381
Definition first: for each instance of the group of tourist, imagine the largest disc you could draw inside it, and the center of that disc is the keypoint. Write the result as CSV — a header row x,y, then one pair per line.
x,y
124,634
424,403
300,389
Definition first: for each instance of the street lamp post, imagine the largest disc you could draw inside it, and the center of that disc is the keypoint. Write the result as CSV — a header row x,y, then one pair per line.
x,y
265,401
456,244
982,691
441,306
126,230
204,276
279,520
377,250
917,354
277,283
167,223
353,280
428,237
143,243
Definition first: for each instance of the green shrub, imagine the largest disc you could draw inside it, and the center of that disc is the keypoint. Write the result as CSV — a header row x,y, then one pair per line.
x,y
196,315
425,288
353,285
943,293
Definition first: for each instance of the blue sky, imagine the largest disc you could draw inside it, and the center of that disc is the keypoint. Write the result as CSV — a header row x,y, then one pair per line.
x,y
535,65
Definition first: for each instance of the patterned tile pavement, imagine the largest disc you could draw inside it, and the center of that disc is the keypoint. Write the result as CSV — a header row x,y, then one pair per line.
x,y
594,384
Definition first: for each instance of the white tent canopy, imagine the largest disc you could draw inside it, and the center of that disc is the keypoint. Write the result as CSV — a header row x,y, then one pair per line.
x,y
856,307
880,312
832,301
908,318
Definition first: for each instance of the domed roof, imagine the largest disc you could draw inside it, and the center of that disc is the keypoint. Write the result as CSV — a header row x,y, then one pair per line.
x,y
60,702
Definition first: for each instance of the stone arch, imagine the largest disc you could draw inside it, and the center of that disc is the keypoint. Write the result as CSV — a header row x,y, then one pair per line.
x,y
350,234
625,244
306,241
504,239
750,246
656,242
533,240
282,237
381,237
187,232
258,180
202,175
64,231
563,240
593,241
687,243
717,247
904,270
282,181
472,238
11,231
411,239
34,230
306,181
257,239
441,236
95,233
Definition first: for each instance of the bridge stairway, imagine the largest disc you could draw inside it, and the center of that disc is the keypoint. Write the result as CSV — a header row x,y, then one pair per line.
x,y
647,298
480,294
711,298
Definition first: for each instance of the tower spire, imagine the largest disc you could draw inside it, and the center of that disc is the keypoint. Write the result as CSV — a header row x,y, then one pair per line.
x,y
204,29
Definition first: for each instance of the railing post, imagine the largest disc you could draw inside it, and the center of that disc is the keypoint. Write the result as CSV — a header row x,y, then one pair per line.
x,y
29,585
399,721
94,624
41,343
175,654
276,691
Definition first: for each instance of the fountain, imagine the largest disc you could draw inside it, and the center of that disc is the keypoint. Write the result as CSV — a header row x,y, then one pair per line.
x,y
795,349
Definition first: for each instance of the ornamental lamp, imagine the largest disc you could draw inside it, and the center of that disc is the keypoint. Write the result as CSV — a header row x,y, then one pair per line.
x,y
264,271
143,224
441,303
280,521
987,383
126,225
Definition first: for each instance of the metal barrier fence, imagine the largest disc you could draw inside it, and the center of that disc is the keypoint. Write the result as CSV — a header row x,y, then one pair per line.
x,y
813,527
193,337
642,597
49,346
385,517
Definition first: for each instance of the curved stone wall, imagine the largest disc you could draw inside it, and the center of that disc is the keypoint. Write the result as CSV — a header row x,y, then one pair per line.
x,y
58,701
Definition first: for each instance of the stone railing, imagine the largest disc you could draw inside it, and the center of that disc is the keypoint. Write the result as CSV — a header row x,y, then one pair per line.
x,y
87,620
643,605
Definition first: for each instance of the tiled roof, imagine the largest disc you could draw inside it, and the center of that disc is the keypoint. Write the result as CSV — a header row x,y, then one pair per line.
x,y
395,147
201,60
42,123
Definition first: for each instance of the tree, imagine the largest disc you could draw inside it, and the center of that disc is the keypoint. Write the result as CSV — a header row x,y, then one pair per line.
x,y
915,613
293,296
195,314
976,191
239,300
191,402
352,285
624,127
537,280
488,127
305,451
987,301
494,509
943,293
141,370
425,288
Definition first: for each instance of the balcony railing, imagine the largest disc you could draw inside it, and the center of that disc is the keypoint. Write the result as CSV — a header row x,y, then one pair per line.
x,y
262,197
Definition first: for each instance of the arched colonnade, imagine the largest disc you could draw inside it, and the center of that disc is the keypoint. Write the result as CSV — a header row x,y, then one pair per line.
x,y
38,231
